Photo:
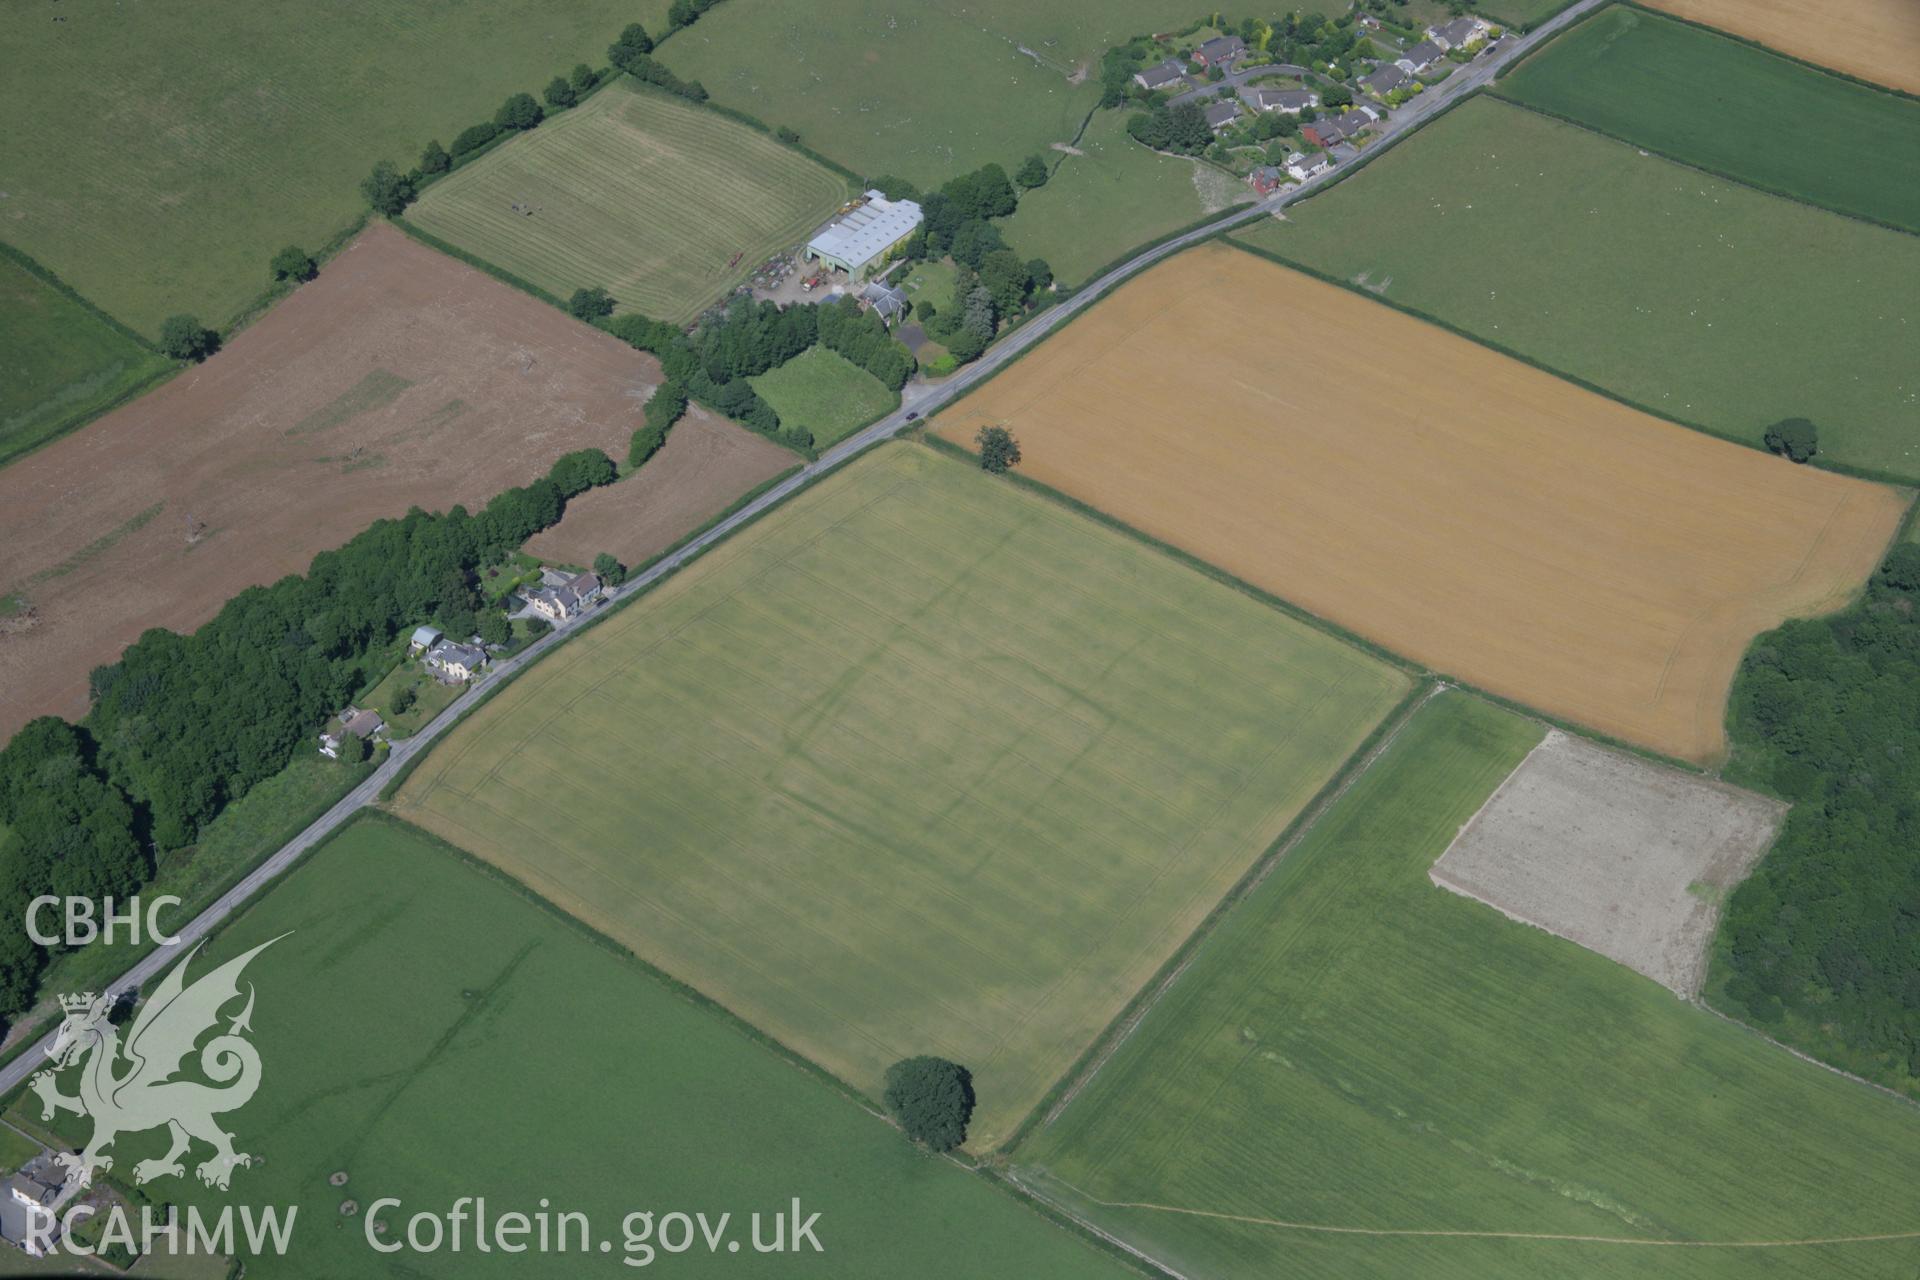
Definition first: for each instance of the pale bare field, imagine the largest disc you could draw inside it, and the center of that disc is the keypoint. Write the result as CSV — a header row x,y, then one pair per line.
x,y
1623,856
1487,519
1877,40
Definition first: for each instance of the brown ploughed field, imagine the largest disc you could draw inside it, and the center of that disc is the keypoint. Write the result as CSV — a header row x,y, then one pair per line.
x,y
1489,520
705,466
1877,40
398,378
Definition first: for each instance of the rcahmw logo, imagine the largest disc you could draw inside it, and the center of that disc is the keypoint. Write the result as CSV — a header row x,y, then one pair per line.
x,y
130,1087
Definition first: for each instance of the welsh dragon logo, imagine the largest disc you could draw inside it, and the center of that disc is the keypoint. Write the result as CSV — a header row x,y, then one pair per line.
x,y
130,1087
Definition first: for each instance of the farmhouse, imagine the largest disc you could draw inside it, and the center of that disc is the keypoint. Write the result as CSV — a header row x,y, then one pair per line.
x,y
864,232
1290,101
354,723
1459,33
452,661
1301,166
1221,114
1384,81
568,599
1266,178
888,302
1421,57
1160,75
40,1185
1220,51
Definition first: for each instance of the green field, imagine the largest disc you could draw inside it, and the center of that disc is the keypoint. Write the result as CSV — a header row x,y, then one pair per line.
x,y
1355,1047
63,363
826,393
1707,301
157,155
1522,13
919,763
664,204
435,1034
1118,195
925,92
1733,108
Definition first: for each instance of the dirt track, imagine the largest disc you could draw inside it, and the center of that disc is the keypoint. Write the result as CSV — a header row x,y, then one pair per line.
x,y
704,467
1877,40
400,377
1494,522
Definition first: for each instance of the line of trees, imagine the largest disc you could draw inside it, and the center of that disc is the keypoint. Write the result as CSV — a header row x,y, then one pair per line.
x,y
183,725
1822,941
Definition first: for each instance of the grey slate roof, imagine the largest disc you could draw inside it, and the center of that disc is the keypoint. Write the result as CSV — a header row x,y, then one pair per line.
x,y
1385,80
1425,52
1222,49
1285,99
1162,74
1458,32
1222,113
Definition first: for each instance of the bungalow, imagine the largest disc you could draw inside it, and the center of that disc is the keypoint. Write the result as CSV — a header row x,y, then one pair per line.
x,y
887,302
1220,51
569,599
1289,101
1301,166
353,724
1266,178
453,661
1459,33
1384,81
1160,75
424,638
1327,133
1420,58
1221,113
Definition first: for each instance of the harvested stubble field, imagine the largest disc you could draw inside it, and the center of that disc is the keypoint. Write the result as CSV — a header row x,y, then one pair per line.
x,y
1877,40
918,763
923,91
399,378
1490,520
61,361
158,154
706,465
1766,120
1702,299
399,974
1353,1048
1625,857
664,204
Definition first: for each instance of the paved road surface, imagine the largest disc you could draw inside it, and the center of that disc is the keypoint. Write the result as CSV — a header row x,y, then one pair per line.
x,y
919,400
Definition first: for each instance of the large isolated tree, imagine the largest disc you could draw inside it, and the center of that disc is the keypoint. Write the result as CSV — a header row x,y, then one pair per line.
x,y
1794,438
932,1099
999,451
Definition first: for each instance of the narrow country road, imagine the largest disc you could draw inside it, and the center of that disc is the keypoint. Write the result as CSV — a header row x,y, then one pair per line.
x,y
918,401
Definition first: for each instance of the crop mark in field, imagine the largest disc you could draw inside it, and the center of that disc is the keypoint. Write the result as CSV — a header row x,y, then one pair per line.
x,y
1286,1224
79,558
375,391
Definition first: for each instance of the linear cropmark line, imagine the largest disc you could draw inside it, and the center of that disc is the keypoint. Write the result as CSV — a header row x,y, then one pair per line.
x,y
1438,1233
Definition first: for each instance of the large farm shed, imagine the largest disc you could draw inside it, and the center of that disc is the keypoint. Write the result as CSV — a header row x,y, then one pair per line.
x,y
864,232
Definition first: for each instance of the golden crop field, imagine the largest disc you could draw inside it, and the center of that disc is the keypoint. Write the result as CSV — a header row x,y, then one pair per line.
x,y
1877,40
1465,509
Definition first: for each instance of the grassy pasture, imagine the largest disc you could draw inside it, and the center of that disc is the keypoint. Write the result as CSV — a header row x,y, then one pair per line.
x,y
1710,302
158,155
826,393
644,194
62,363
1355,1047
434,1033
1732,108
918,763
1100,204
924,92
